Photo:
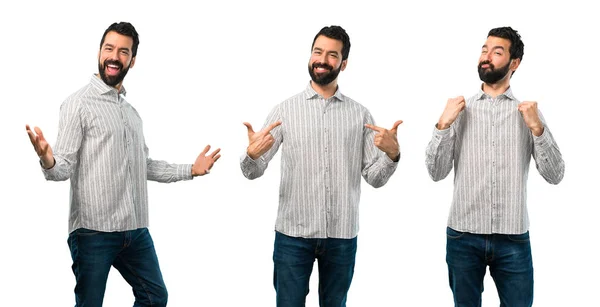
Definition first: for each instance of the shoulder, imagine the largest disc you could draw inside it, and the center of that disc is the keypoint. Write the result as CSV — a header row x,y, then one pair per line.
x,y
79,97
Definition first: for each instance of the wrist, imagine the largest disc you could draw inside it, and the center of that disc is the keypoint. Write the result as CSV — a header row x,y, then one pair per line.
x,y
47,163
252,156
442,125
537,131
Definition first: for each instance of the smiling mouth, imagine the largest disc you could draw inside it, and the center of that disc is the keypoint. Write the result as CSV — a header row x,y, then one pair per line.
x,y
112,69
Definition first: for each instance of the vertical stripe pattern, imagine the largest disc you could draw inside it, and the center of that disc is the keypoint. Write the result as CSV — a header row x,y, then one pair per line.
x,y
326,149
101,148
490,147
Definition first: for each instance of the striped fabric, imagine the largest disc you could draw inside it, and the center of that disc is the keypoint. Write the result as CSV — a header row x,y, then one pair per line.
x,y
101,148
326,149
491,147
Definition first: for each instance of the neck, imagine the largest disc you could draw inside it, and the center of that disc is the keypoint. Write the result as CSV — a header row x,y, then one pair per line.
x,y
498,88
325,90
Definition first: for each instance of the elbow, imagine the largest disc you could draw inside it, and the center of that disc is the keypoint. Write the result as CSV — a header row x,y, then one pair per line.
x,y
557,179
555,174
435,176
250,175
377,183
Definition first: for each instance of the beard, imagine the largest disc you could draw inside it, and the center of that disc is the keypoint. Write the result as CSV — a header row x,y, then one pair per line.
x,y
324,78
493,75
112,80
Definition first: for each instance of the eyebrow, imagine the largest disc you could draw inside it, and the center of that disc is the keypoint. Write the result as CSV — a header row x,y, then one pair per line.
x,y
495,47
330,52
112,46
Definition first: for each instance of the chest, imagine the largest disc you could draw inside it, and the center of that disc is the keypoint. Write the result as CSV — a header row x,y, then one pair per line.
x,y
106,119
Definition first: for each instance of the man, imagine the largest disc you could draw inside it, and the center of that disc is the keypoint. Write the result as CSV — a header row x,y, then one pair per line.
x,y
490,138
101,149
330,140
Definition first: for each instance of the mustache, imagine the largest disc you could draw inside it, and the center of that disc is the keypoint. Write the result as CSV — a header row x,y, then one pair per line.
x,y
486,62
322,65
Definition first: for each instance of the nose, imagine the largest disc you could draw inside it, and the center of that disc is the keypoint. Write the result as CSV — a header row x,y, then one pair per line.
x,y
112,55
488,56
322,58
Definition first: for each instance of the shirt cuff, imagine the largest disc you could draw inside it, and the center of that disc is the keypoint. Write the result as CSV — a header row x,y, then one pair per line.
x,y
247,161
439,132
49,173
184,172
543,141
388,160
439,136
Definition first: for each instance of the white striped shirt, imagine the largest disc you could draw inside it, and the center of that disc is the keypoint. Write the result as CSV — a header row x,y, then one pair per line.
x,y
101,148
491,147
327,148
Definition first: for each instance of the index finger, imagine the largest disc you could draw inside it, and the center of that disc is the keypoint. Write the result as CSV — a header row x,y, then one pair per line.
x,y
272,126
206,149
373,127
30,133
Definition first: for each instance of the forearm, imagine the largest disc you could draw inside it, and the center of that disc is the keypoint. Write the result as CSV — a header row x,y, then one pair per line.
x,y
380,171
161,171
61,169
252,169
439,154
548,158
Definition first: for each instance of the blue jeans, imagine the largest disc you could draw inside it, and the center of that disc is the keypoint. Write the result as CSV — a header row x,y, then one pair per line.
x,y
509,259
130,252
294,258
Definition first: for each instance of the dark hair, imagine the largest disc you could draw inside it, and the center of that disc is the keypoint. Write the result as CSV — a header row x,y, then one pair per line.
x,y
337,33
516,44
124,28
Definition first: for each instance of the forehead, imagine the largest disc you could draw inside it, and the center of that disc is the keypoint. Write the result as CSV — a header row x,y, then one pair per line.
x,y
118,40
493,41
329,44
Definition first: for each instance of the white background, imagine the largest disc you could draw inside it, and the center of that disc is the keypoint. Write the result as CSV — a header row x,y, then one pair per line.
x,y
202,70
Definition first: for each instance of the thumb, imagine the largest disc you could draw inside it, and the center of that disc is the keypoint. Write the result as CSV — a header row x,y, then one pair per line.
x,y
250,130
396,124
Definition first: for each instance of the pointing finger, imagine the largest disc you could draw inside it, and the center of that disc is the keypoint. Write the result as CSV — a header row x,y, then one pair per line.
x,y
375,128
272,126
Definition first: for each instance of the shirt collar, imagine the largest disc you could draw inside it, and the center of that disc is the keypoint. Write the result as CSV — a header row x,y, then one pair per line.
x,y
103,88
310,93
508,94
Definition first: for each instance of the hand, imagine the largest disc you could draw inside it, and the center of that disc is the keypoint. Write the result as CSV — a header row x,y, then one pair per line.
x,y
387,140
204,163
529,111
260,142
41,146
453,108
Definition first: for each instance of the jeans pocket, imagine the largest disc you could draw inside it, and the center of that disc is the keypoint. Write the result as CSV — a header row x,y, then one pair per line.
x,y
522,238
453,234
86,232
